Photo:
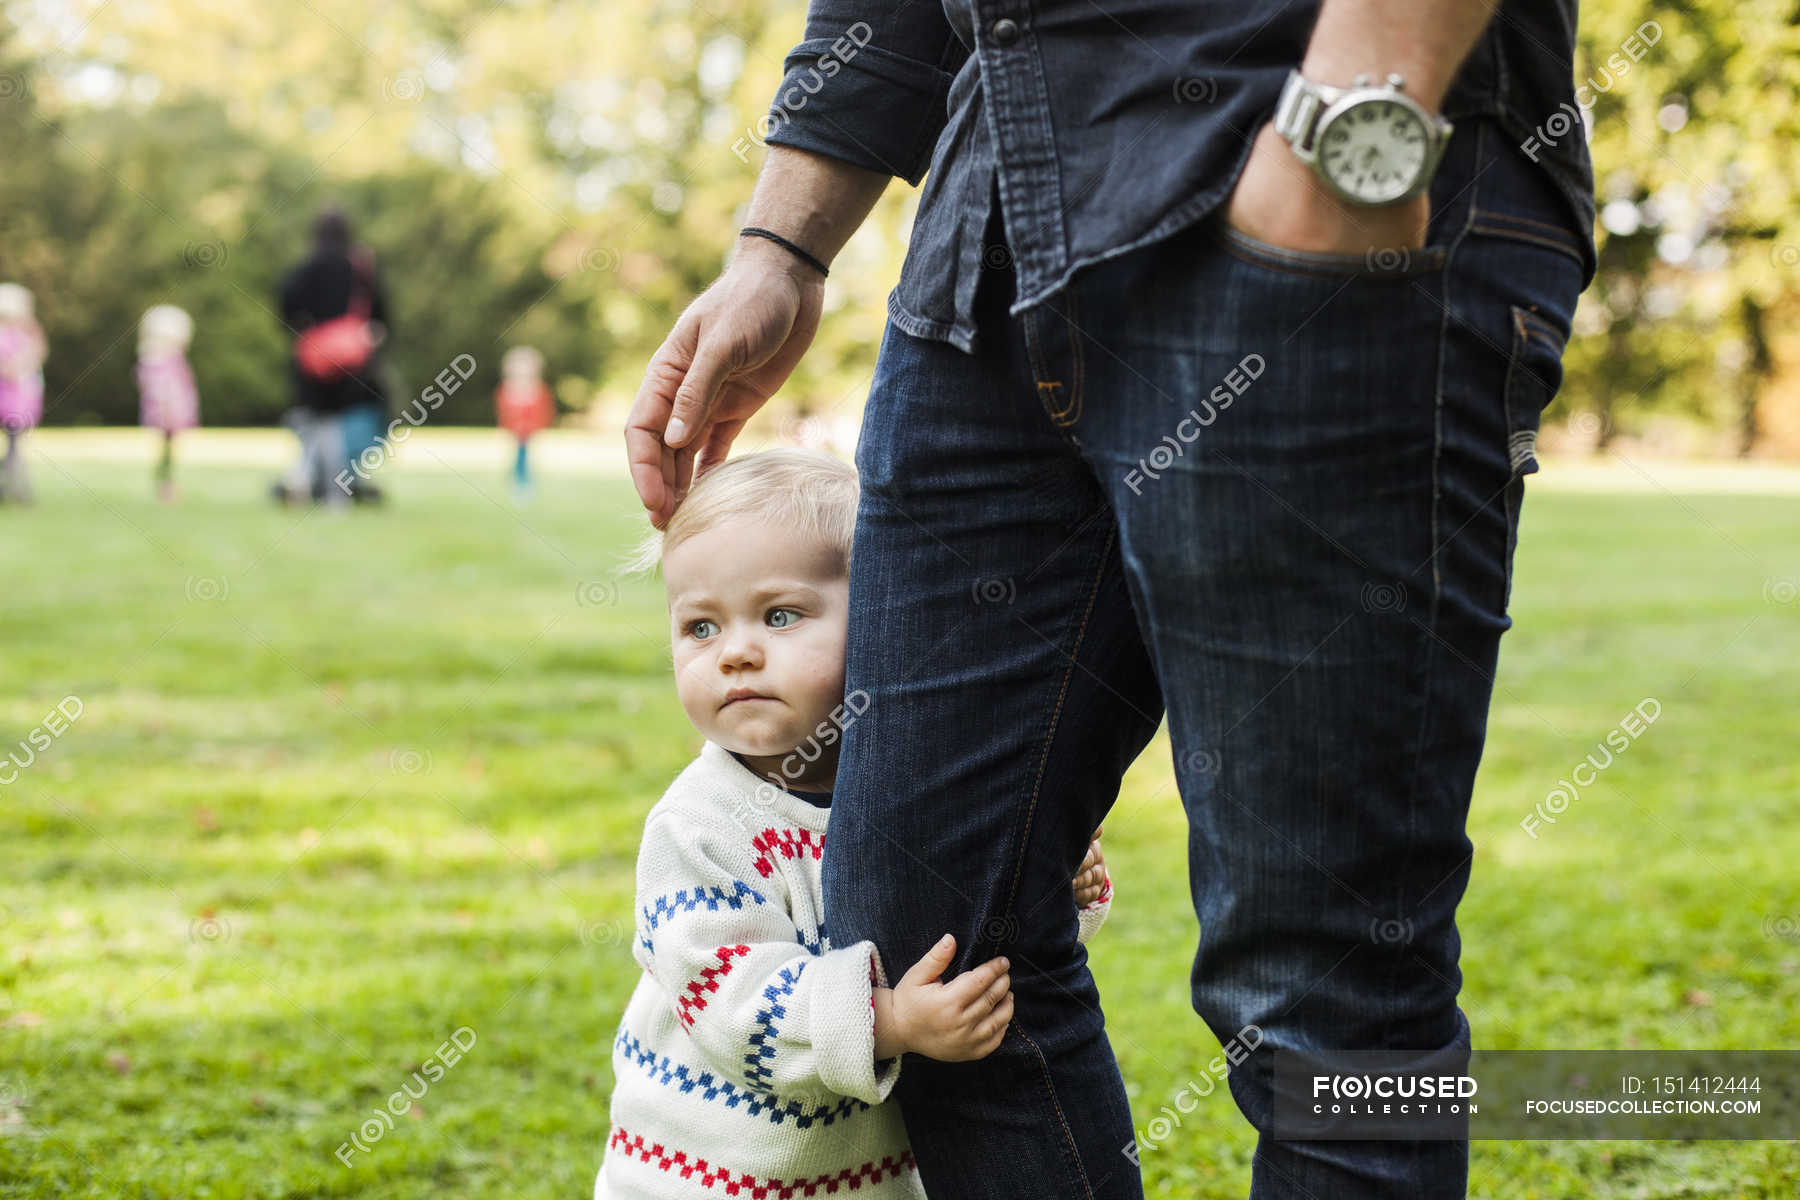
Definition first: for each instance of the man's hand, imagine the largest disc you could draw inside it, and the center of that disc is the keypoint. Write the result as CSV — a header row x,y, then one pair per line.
x,y
728,353
1090,877
952,1022
1279,200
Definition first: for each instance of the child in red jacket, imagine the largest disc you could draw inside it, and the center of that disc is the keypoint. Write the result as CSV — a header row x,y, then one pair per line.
x,y
523,405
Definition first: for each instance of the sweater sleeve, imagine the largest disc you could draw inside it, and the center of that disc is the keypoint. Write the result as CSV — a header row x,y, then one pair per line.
x,y
1092,916
717,936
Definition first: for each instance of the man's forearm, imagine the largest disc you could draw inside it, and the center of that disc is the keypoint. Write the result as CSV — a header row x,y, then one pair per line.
x,y
1423,40
812,200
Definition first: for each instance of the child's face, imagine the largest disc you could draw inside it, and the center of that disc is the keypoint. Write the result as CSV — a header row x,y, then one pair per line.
x,y
752,611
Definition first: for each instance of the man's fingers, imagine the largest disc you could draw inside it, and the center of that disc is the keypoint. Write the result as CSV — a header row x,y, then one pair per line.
x,y
652,468
718,445
699,390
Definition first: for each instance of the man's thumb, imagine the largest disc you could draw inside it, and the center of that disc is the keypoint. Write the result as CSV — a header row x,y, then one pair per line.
x,y
699,388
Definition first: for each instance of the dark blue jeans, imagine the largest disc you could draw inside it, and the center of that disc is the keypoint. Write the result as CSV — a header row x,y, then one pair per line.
x,y
1275,494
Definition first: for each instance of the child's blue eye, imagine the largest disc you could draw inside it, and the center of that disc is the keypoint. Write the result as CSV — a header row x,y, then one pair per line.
x,y
776,616
701,630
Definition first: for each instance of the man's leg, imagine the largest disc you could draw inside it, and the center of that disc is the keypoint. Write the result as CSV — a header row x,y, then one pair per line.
x,y
1008,689
1316,463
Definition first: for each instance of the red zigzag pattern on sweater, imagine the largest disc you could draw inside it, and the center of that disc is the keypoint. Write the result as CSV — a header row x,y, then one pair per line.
x,y
693,999
707,1175
788,843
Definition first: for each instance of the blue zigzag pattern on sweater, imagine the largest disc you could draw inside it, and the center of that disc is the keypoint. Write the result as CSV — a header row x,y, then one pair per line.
x,y
687,900
757,1104
762,1042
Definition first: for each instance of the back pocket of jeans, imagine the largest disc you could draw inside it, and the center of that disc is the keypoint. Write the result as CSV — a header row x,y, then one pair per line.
x,y
1532,378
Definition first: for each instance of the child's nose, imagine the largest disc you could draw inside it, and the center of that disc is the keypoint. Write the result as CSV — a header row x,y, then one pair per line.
x,y
741,650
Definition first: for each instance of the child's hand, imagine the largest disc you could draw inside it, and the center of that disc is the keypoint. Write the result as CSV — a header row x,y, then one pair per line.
x,y
951,1022
1090,878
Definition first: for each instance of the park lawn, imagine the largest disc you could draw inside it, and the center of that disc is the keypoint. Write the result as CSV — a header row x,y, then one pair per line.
x,y
341,786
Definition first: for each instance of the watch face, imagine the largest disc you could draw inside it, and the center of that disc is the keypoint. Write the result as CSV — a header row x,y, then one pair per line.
x,y
1373,150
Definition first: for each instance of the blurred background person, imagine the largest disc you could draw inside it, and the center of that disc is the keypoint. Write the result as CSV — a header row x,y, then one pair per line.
x,y
22,353
334,303
167,398
523,405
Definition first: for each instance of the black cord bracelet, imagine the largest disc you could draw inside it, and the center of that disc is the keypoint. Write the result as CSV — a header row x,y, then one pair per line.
x,y
777,238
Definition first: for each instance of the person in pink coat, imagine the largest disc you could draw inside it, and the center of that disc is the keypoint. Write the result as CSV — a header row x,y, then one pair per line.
x,y
22,354
167,398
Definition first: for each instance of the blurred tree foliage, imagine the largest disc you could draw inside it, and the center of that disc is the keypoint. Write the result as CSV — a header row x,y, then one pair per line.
x,y
572,175
1693,131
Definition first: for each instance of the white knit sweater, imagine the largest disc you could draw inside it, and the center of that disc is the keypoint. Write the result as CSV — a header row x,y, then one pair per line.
x,y
745,1063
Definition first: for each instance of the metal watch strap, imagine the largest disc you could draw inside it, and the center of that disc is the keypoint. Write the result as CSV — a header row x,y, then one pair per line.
x,y
1297,112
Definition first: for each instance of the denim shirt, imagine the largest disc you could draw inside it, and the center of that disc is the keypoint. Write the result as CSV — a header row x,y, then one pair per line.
x,y
1105,128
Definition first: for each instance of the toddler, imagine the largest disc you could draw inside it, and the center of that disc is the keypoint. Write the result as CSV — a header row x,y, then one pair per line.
x,y
523,405
754,1056
22,352
167,399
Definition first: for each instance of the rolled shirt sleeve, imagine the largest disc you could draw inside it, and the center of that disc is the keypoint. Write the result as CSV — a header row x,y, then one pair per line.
x,y
868,85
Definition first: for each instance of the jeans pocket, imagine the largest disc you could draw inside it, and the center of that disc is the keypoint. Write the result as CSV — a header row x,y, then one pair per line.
x,y
1391,262
1533,375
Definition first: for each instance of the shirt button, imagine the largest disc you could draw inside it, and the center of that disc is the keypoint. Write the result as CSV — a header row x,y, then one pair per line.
x,y
1005,31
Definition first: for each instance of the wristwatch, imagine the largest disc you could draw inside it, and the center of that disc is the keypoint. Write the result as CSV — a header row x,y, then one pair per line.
x,y
1371,143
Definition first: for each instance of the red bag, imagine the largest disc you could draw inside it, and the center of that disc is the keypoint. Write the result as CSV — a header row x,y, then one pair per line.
x,y
341,347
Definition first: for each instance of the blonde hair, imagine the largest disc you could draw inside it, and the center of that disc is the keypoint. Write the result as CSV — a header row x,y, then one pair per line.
x,y
807,492
521,360
164,325
15,302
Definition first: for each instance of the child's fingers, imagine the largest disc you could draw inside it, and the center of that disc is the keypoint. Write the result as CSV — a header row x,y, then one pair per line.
x,y
986,973
991,996
965,988
994,1027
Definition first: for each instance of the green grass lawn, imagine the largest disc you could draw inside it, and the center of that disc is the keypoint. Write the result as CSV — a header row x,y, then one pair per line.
x,y
342,785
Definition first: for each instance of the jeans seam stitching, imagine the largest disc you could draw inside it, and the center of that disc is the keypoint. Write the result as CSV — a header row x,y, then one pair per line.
x,y
1526,235
1437,573
1062,695
1037,1054
1073,413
